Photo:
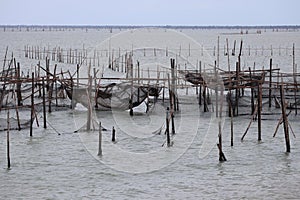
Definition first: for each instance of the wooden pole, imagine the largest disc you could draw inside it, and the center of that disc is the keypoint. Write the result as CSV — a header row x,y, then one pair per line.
x,y
7,141
17,112
167,127
113,136
173,106
216,89
170,93
270,85
89,113
19,95
252,118
50,97
173,123
32,103
252,93
231,126
259,103
100,141
205,108
295,80
96,88
47,72
138,77
54,81
222,157
237,90
38,78
200,87
233,50
285,122
77,70
44,104
228,60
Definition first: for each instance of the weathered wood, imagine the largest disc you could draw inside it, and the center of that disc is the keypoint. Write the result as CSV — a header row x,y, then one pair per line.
x,y
205,105
222,157
295,80
113,136
270,85
233,50
44,103
237,90
89,113
7,141
228,59
259,108
173,123
32,104
167,127
55,82
100,140
173,92
252,94
252,118
200,87
284,118
170,93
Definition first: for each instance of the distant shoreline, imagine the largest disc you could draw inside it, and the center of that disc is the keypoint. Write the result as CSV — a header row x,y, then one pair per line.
x,y
156,26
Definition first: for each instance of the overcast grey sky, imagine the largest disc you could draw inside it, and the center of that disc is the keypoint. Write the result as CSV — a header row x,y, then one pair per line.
x,y
150,12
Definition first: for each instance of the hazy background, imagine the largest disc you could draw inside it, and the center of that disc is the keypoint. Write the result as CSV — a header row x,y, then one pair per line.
x,y
150,12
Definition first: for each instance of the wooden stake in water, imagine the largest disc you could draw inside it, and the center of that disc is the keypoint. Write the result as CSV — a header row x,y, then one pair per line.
x,y
228,60
252,93
44,104
295,80
270,85
173,123
200,85
7,140
113,137
89,114
285,122
32,104
19,95
167,127
100,141
259,104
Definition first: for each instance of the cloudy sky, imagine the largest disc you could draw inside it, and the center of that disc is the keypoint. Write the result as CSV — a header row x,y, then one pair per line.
x,y
150,12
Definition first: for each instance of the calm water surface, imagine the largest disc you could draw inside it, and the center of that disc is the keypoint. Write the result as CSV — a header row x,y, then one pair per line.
x,y
65,165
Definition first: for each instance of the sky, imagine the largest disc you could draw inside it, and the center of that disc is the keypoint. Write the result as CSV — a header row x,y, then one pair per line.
x,y
150,12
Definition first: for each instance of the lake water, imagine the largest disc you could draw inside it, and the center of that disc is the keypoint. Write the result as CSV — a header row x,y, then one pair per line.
x,y
57,163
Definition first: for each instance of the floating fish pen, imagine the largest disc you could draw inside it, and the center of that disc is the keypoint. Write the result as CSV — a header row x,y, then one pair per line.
x,y
244,92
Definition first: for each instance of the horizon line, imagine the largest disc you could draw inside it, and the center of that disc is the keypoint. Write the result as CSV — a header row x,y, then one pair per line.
x,y
149,26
